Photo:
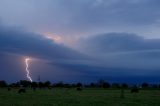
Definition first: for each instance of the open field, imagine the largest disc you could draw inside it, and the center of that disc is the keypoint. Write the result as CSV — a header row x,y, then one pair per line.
x,y
72,97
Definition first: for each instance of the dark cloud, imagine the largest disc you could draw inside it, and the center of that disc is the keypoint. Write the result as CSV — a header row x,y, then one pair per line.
x,y
14,40
82,16
15,44
107,54
123,50
120,42
11,68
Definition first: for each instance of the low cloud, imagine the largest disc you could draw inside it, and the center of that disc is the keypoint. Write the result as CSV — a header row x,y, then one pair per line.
x,y
120,42
17,41
112,55
123,50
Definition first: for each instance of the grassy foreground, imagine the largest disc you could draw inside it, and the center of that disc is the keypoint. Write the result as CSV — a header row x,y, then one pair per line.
x,y
71,97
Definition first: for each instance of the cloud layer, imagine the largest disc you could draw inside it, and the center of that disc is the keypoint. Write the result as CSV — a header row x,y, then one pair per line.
x,y
16,44
106,55
120,42
83,17
124,50
14,40
87,24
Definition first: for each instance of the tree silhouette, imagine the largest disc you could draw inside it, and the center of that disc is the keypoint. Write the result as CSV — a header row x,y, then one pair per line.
x,y
115,85
145,85
124,85
103,83
3,83
25,83
79,84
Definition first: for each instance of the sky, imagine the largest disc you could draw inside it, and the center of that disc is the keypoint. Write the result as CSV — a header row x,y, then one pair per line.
x,y
80,40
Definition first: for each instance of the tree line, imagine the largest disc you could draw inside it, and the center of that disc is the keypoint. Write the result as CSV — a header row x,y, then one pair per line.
x,y
98,84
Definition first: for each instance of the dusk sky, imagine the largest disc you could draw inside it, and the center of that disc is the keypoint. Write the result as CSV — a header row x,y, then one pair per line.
x,y
80,40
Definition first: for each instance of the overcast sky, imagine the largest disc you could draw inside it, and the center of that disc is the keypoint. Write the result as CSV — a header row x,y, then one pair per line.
x,y
80,40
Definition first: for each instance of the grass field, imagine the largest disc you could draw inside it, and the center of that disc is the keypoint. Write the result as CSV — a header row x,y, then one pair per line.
x,y
72,97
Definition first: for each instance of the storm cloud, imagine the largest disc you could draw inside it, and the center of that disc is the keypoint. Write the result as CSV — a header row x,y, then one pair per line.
x,y
18,41
120,42
17,44
124,50
98,38
83,17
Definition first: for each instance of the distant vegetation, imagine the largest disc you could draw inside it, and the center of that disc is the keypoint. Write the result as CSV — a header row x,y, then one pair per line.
x,y
100,93
98,84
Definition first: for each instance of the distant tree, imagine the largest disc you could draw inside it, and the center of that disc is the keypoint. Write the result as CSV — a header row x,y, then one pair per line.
x,y
115,85
73,85
103,83
25,83
134,89
106,85
41,85
154,86
93,84
79,84
59,84
3,84
100,82
124,85
67,85
47,84
79,88
145,85
14,85
34,84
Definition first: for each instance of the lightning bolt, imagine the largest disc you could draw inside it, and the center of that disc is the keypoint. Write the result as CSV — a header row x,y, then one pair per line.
x,y
27,70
